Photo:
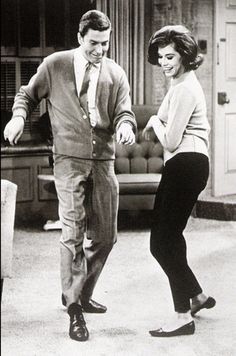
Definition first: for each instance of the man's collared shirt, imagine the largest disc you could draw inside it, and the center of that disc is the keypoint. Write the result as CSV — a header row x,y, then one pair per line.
x,y
80,65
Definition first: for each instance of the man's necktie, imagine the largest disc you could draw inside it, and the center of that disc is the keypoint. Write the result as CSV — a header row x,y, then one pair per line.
x,y
84,88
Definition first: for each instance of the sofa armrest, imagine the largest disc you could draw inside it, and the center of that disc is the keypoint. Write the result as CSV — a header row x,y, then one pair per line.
x,y
8,204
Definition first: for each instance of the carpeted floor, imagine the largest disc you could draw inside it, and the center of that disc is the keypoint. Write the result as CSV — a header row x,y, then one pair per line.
x,y
134,289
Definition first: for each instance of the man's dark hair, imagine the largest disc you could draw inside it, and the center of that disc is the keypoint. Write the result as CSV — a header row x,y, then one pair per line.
x,y
94,19
184,44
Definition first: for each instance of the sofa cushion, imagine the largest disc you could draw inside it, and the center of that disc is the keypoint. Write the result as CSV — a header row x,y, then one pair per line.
x,y
143,156
138,183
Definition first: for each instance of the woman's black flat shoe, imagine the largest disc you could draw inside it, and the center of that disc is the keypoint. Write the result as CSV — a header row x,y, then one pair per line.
x,y
209,303
187,329
63,300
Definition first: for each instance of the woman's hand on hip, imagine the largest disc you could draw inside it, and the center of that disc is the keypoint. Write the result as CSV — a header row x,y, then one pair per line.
x,y
148,132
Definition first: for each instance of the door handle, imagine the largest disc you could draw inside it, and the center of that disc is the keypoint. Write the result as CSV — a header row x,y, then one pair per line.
x,y
223,99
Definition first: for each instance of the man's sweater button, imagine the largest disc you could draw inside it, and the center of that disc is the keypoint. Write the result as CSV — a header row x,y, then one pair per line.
x,y
84,117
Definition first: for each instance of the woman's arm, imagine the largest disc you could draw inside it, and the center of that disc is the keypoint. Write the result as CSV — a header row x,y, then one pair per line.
x,y
182,103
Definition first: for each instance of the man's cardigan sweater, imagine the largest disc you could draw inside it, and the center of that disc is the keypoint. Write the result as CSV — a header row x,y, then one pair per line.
x,y
72,132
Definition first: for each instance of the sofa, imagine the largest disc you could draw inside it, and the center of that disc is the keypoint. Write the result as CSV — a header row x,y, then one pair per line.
x,y
138,167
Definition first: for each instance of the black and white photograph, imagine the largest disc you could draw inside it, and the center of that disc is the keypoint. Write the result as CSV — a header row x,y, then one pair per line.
x,y
118,177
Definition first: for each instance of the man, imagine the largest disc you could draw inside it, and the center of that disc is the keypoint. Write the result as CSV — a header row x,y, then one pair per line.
x,y
88,101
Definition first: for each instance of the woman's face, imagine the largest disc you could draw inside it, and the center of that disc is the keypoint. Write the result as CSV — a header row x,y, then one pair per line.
x,y
170,61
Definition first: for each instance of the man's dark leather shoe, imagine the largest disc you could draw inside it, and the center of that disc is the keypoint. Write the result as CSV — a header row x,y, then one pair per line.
x,y
187,329
78,330
91,306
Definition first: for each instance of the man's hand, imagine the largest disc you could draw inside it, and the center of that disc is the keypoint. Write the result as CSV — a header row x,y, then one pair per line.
x,y
148,132
14,129
125,134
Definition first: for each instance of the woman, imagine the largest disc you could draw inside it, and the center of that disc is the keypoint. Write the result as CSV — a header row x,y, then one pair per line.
x,y
182,128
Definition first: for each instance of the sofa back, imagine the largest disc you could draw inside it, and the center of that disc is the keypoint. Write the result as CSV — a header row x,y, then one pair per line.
x,y
143,156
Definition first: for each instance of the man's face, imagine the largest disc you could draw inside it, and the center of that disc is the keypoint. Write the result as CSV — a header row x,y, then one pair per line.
x,y
94,44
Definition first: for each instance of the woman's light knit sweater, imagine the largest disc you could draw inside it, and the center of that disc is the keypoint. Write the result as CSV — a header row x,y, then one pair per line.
x,y
181,123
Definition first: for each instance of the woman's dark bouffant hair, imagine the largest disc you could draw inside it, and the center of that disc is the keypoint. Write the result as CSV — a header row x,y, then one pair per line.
x,y
183,41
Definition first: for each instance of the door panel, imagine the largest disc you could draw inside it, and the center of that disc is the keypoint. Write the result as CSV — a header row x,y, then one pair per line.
x,y
224,130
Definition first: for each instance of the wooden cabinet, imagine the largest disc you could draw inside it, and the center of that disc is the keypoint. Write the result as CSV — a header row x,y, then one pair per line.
x,y
36,200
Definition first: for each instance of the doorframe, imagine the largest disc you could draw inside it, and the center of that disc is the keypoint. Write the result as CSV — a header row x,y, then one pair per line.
x,y
214,101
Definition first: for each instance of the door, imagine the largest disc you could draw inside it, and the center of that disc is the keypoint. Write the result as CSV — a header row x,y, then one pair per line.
x,y
224,130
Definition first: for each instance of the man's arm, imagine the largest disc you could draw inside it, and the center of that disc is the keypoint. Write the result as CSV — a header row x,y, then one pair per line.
x,y
124,121
26,100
